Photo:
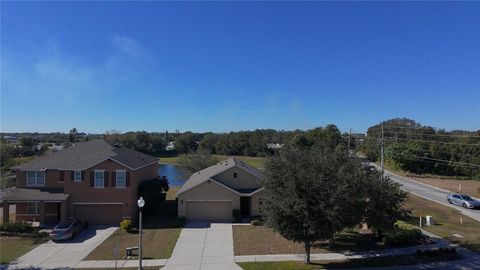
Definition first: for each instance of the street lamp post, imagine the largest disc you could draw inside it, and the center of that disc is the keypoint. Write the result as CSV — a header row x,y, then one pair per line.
x,y
140,204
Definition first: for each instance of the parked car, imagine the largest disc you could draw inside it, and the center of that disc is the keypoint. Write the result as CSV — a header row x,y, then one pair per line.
x,y
463,200
68,230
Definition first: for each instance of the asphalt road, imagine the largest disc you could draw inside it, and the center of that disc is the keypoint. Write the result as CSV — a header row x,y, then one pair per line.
x,y
430,193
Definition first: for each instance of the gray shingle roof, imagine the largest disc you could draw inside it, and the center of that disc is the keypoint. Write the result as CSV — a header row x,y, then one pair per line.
x,y
207,173
84,155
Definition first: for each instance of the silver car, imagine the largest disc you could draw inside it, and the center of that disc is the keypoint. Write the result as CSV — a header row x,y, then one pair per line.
x,y
68,229
463,200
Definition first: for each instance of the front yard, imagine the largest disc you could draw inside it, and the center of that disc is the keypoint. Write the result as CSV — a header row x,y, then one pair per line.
x,y
12,247
260,240
157,244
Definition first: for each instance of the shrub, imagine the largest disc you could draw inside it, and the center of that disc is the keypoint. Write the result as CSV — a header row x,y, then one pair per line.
x,y
180,222
126,225
404,234
17,227
439,252
257,221
236,215
153,192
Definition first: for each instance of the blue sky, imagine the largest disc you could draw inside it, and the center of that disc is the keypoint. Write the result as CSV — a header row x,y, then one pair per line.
x,y
225,66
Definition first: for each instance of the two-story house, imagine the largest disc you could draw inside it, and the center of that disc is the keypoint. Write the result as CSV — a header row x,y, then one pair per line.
x,y
93,180
213,193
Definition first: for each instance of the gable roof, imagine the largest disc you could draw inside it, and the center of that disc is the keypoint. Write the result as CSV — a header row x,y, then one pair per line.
x,y
84,155
209,172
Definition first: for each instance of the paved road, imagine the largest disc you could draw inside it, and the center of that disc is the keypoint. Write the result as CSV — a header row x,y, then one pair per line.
x,y
428,192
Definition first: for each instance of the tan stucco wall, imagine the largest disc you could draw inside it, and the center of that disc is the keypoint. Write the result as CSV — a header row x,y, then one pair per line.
x,y
255,203
244,179
209,192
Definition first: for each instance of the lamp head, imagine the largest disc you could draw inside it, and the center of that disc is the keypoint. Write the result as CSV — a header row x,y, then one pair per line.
x,y
141,202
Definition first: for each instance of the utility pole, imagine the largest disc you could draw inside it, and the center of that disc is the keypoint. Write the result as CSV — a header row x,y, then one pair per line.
x,y
349,139
381,154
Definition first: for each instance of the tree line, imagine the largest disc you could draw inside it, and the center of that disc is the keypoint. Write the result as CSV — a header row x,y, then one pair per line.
x,y
420,149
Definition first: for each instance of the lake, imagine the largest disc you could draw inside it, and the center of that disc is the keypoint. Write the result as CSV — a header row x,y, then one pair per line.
x,y
173,174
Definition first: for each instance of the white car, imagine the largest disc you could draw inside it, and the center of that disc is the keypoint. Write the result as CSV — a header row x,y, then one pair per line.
x,y
463,200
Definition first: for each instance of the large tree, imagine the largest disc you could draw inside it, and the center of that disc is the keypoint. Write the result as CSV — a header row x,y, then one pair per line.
x,y
312,193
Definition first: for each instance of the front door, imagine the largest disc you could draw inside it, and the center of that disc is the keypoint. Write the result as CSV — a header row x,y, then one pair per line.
x,y
245,206
59,212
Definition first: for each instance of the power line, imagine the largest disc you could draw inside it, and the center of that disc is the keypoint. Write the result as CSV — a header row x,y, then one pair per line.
x,y
421,127
436,160
415,140
427,134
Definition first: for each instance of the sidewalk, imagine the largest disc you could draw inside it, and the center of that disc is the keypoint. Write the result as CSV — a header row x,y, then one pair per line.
x,y
203,247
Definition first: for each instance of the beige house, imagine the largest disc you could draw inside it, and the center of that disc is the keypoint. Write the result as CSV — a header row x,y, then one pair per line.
x,y
93,180
212,193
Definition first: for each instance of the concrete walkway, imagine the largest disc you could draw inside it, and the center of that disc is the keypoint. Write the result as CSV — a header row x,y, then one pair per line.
x,y
63,254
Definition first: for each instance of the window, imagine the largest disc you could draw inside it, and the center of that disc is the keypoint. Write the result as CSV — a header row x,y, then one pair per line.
x,y
77,176
35,178
121,179
235,175
99,179
33,208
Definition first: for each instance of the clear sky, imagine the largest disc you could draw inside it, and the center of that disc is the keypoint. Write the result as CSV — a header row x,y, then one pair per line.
x,y
225,66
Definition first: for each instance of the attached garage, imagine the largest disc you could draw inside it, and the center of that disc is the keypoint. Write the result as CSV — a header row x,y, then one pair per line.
x,y
209,210
98,213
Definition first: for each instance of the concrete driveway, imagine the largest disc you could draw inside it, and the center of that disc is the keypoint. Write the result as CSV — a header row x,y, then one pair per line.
x,y
202,246
64,254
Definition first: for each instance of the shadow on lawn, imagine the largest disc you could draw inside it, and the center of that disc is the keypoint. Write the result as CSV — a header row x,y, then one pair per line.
x,y
352,241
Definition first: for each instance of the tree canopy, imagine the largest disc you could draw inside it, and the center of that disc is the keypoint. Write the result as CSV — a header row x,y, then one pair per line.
x,y
312,193
194,162
416,148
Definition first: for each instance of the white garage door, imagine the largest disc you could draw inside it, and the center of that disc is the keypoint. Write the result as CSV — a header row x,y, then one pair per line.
x,y
213,211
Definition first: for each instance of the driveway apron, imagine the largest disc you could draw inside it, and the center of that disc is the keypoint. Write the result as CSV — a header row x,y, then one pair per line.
x,y
64,254
202,246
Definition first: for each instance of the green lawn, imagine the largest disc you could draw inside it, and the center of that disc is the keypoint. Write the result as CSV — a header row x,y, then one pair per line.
x,y
14,247
268,242
172,192
168,160
257,162
447,222
354,263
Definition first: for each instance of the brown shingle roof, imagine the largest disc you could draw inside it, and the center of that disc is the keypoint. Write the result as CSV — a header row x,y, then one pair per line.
x,y
84,155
